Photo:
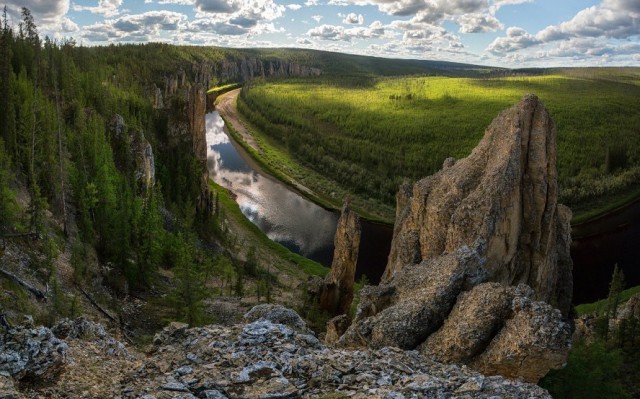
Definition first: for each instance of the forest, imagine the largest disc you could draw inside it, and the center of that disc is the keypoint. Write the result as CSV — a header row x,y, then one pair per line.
x,y
372,136
72,124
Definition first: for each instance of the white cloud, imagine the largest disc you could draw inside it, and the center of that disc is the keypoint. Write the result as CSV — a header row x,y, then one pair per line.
x,y
340,33
619,19
108,8
592,32
135,28
352,18
311,3
317,18
327,32
294,7
516,39
478,23
218,6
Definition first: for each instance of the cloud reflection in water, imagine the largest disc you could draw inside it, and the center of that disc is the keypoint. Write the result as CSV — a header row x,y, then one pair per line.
x,y
284,216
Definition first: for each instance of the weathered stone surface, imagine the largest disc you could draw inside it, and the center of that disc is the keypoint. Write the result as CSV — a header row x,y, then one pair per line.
x,y
631,309
477,235
264,360
85,329
533,341
30,353
405,313
336,294
144,168
197,108
475,319
276,314
245,69
501,201
336,327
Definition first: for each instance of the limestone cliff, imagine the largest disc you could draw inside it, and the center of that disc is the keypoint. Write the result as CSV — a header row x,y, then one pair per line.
x,y
186,96
245,69
336,293
491,217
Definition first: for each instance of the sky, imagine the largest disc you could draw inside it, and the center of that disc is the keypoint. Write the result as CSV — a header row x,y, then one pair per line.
x,y
511,33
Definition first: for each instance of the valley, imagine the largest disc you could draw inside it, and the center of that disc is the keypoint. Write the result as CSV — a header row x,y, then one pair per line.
x,y
169,222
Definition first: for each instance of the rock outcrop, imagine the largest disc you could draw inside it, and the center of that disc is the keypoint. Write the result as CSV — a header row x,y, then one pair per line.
x,y
336,294
140,152
145,166
263,359
245,69
31,353
479,251
187,99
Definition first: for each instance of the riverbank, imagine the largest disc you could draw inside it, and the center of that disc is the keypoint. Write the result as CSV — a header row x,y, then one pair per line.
x,y
277,162
249,234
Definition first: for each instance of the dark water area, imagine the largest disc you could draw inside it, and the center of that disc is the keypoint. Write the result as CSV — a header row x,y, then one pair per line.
x,y
285,216
600,244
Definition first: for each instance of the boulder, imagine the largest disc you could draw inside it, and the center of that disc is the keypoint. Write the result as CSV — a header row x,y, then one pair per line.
x,y
336,327
32,354
276,314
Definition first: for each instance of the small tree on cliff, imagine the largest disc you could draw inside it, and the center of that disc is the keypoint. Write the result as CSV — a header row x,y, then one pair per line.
x,y
613,300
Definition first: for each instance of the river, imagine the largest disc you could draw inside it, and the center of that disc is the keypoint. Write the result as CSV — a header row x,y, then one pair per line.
x,y
283,214
287,217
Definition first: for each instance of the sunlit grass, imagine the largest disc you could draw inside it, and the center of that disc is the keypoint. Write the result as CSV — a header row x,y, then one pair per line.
x,y
373,137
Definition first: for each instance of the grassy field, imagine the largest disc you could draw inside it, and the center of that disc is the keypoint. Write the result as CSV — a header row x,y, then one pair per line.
x,y
371,135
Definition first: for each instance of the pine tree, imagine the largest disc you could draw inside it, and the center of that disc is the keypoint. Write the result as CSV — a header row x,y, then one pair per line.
x,y
613,300
190,291
615,289
7,116
8,204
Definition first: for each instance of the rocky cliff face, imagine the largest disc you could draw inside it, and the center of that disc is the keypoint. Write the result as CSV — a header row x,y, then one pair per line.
x,y
187,102
245,69
491,217
336,293
272,356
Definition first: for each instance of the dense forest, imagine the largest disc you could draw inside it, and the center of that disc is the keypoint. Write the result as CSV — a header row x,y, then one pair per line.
x,y
74,125
373,134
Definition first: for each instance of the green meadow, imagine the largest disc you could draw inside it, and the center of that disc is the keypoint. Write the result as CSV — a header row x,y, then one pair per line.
x,y
372,134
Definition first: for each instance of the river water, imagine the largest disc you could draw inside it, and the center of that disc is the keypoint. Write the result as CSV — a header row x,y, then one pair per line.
x,y
282,214
287,217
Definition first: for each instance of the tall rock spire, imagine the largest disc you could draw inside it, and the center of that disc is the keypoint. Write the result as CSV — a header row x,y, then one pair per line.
x,y
336,293
480,251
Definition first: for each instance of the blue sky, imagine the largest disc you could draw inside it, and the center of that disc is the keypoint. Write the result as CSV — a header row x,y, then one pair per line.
x,y
512,33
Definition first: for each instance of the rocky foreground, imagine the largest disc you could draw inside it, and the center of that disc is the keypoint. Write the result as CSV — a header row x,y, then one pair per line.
x,y
273,355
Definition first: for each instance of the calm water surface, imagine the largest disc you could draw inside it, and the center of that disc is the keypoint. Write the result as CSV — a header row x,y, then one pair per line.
x,y
308,229
282,214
